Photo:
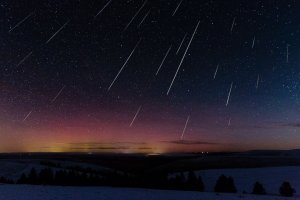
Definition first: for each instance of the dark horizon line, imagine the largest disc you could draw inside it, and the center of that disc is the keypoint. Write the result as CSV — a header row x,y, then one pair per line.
x,y
141,153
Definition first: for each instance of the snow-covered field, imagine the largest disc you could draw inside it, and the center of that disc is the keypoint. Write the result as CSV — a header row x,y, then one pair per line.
x,y
270,177
29,192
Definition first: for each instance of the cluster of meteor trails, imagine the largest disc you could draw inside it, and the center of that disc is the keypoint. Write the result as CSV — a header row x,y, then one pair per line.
x,y
136,46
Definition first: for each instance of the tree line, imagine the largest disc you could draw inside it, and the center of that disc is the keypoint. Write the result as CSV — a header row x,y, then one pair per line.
x,y
192,182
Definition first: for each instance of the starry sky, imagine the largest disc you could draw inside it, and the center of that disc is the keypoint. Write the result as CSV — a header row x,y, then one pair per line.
x,y
149,76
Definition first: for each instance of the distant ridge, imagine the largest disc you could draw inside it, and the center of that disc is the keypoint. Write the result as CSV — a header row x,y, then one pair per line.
x,y
292,152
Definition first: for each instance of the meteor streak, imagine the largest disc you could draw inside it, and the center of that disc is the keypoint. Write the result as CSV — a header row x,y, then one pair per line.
x,y
181,44
102,8
116,77
232,25
257,81
146,15
215,74
183,57
24,59
57,32
229,93
177,8
162,62
135,15
27,116
53,100
183,131
136,114
21,22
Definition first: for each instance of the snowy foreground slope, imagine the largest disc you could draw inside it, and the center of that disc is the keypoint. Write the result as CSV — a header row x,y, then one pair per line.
x,y
29,192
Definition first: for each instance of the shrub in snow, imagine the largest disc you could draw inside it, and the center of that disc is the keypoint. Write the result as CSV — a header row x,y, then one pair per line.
x,y
193,182
286,189
258,188
225,184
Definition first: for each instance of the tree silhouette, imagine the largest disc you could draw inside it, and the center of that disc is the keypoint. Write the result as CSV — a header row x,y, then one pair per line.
x,y
46,176
177,182
191,182
32,177
225,184
286,189
5,180
200,184
23,179
258,188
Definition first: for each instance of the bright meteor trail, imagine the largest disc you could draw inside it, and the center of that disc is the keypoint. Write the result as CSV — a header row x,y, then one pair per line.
x,y
135,15
183,57
116,77
177,8
63,26
103,8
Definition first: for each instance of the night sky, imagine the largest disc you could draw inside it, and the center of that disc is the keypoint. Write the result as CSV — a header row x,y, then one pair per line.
x,y
135,76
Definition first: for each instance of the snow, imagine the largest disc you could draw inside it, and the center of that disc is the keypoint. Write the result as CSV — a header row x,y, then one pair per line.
x,y
29,192
244,178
